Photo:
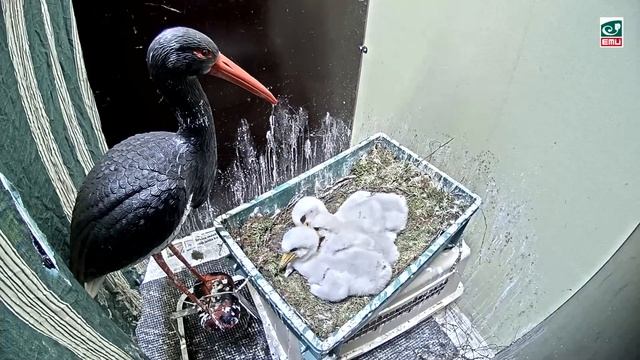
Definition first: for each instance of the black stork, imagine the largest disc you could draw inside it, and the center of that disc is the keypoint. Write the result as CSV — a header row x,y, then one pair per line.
x,y
135,199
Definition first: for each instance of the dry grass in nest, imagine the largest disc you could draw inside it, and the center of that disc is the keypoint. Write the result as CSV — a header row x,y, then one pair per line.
x,y
430,211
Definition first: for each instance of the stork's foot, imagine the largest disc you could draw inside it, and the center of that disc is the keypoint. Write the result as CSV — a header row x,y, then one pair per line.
x,y
178,254
218,291
213,294
172,277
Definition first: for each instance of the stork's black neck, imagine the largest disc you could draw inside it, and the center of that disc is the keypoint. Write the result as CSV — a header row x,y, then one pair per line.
x,y
190,105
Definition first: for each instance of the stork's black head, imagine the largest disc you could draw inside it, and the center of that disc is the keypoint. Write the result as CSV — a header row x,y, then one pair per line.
x,y
181,52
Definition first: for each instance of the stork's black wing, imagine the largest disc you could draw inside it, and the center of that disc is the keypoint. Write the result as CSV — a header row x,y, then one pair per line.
x,y
130,203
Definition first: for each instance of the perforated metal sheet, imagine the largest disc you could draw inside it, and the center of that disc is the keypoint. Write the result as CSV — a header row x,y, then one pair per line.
x,y
157,333
426,341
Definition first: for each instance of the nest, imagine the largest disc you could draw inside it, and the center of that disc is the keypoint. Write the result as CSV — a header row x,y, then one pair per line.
x,y
430,211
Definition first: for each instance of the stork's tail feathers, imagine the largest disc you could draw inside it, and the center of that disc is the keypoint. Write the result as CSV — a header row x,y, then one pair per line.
x,y
94,286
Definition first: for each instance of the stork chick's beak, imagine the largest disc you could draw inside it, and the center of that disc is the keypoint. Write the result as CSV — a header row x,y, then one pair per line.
x,y
226,69
286,259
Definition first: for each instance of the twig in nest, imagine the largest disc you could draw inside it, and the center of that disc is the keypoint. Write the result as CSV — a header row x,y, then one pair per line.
x,y
338,184
266,236
439,147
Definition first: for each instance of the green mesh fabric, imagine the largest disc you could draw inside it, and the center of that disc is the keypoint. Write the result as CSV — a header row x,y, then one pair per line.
x,y
50,137
48,121
45,312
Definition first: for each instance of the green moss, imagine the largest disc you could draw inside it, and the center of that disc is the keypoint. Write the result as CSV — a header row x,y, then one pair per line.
x,y
430,211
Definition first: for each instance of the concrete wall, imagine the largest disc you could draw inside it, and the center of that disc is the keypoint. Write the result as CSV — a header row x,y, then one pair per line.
x,y
544,124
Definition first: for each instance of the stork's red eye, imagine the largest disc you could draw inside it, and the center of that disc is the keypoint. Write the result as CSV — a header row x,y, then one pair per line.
x,y
202,53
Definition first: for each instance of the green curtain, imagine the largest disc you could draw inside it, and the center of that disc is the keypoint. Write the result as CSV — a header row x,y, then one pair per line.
x,y
45,313
49,130
50,137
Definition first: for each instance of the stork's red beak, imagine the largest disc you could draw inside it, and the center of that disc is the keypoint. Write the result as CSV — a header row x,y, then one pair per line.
x,y
228,70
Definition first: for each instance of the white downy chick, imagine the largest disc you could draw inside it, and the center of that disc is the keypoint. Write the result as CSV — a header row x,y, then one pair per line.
x,y
376,210
384,242
370,271
300,247
395,210
306,209
353,272
334,287
339,235
359,208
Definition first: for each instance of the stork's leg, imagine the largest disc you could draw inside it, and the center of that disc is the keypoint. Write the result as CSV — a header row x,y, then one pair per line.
x,y
172,277
195,272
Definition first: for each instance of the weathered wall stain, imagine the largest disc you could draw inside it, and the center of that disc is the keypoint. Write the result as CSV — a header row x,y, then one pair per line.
x,y
501,275
500,238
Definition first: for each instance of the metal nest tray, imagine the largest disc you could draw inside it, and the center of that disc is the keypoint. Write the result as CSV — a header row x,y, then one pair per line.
x,y
320,177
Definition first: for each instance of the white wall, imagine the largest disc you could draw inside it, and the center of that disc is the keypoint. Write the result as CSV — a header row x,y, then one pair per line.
x,y
599,322
545,127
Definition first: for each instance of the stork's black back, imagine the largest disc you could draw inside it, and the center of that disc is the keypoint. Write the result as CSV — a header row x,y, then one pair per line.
x,y
132,202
